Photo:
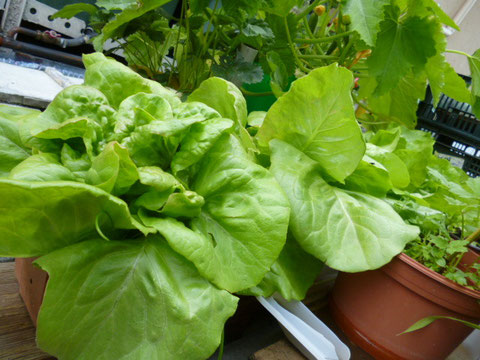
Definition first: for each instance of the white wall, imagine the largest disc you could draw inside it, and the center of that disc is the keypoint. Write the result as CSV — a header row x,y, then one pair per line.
x,y
468,39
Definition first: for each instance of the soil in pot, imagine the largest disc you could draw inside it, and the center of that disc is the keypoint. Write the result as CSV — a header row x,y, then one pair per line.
x,y
374,307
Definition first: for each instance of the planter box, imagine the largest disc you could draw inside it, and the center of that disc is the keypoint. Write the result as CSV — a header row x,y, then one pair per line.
x,y
374,307
32,282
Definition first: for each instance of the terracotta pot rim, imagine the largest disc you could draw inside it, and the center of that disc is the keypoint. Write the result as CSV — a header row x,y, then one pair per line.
x,y
436,276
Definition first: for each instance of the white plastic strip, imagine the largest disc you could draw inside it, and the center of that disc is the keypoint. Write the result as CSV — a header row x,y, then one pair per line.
x,y
311,336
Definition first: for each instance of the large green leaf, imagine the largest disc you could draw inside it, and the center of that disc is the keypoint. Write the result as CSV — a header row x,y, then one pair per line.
x,y
347,230
118,82
402,44
129,300
366,16
291,275
39,217
239,195
317,117
224,97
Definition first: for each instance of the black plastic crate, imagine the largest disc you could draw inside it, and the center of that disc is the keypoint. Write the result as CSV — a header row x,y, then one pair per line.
x,y
455,129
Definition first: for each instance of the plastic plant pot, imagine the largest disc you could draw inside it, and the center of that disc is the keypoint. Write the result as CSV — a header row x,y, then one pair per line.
x,y
374,307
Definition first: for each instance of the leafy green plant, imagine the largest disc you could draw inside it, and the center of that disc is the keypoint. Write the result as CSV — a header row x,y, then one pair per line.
x,y
147,213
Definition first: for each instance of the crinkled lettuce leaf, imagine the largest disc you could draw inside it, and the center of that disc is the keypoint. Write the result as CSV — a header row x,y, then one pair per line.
x,y
129,300
242,226
39,217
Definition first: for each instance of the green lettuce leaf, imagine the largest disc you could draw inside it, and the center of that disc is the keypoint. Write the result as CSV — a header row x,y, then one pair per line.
x,y
160,185
370,177
347,230
75,161
77,101
112,170
198,141
41,167
238,195
39,217
129,300
12,149
118,82
224,97
291,275
415,150
396,168
317,117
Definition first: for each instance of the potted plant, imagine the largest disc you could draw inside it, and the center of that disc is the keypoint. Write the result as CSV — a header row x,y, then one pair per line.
x,y
374,307
161,209
95,183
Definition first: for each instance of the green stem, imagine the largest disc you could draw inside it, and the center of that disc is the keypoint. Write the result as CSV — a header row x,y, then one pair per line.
x,y
321,57
210,22
324,39
457,52
175,51
221,346
293,48
345,51
250,93
309,32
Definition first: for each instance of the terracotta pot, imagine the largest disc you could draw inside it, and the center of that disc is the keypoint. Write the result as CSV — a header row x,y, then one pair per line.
x,y
374,307
32,282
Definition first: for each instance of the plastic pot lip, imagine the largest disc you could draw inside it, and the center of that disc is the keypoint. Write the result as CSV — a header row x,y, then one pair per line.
x,y
436,276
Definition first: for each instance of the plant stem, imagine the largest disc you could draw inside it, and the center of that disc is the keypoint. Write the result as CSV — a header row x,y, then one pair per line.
x,y
345,51
324,39
309,32
250,93
293,48
321,57
210,22
457,52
